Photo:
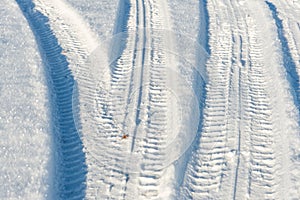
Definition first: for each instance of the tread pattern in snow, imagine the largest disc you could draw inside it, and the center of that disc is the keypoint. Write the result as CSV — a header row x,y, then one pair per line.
x,y
71,168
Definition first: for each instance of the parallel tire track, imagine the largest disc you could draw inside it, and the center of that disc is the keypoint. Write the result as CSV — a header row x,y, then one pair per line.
x,y
115,113
238,116
127,121
138,86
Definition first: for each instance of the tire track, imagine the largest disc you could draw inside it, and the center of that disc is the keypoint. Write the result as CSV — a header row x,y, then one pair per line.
x,y
288,61
155,123
77,46
110,176
101,132
70,166
118,107
286,138
238,153
263,161
150,117
141,77
285,16
207,165
155,175
238,137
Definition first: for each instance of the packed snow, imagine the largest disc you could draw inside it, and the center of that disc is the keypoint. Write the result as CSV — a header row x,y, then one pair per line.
x,y
150,99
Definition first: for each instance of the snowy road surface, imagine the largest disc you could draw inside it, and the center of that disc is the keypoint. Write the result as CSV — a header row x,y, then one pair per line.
x,y
150,99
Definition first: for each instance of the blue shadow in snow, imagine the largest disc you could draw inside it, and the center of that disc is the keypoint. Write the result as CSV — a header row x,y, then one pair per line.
x,y
199,87
70,168
288,62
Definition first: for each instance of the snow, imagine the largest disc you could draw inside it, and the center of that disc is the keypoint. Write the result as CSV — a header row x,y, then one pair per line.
x,y
25,132
149,99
